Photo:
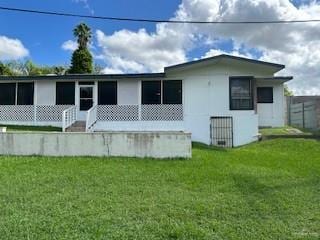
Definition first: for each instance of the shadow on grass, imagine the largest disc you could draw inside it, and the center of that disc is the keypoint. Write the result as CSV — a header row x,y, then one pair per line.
x,y
202,146
265,189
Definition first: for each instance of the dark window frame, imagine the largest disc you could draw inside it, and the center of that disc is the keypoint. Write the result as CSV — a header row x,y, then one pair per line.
x,y
74,94
115,100
14,85
164,96
250,78
143,100
162,92
265,101
19,98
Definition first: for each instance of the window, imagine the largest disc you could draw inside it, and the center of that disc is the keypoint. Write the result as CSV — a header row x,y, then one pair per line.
x,y
7,93
107,92
151,92
172,92
65,93
25,94
241,97
265,94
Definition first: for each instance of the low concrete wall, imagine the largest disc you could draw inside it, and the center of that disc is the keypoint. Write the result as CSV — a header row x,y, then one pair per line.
x,y
129,144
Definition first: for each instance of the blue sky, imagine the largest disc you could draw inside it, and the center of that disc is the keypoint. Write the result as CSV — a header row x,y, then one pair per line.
x,y
146,47
43,35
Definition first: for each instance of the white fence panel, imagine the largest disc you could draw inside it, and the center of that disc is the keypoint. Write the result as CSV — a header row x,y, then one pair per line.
x,y
51,113
303,115
118,113
17,113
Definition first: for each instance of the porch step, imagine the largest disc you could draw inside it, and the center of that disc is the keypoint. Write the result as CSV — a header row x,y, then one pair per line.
x,y
78,126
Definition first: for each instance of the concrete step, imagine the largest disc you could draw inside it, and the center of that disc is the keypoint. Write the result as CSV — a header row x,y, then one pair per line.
x,y
78,126
75,129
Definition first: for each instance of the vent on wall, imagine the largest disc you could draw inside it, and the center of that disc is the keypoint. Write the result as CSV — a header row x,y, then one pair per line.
x,y
222,131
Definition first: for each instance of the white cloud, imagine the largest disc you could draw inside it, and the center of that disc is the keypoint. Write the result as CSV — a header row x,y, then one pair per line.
x,y
69,45
215,52
141,51
12,49
295,45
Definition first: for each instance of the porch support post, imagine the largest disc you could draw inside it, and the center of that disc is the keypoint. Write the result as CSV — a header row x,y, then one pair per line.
x,y
35,113
139,112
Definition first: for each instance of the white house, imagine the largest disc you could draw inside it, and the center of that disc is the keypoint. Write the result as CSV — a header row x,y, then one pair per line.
x,y
221,100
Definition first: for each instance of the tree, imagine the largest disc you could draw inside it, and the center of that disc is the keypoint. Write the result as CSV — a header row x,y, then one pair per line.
x,y
81,61
29,68
5,70
83,33
287,91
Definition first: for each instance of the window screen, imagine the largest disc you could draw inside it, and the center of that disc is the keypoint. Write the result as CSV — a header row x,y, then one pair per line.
x,y
7,93
265,94
107,93
65,93
241,93
151,92
25,94
172,92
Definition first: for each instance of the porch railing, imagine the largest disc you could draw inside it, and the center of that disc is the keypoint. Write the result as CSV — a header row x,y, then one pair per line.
x,y
69,117
32,113
92,114
155,112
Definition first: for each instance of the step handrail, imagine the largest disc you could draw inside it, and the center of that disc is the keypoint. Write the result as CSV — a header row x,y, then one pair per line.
x,y
69,117
91,117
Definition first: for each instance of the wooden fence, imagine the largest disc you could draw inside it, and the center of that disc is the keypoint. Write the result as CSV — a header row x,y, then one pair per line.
x,y
303,115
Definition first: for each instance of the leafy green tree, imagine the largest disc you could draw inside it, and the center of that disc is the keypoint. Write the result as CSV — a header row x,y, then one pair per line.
x,y
81,61
287,91
29,68
5,70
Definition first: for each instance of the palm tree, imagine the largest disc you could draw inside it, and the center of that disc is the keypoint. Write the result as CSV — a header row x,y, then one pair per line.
x,y
83,33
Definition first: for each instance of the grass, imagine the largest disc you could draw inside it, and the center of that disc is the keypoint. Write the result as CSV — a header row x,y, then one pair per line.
x,y
15,128
266,190
287,130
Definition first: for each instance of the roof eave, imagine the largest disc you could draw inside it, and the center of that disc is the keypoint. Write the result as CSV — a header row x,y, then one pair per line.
x,y
280,78
83,77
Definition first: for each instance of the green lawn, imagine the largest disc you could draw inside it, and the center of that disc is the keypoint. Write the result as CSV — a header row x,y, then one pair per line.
x,y
266,190
14,128
283,131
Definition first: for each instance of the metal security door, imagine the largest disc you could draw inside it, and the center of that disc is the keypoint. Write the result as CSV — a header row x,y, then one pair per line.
x,y
222,132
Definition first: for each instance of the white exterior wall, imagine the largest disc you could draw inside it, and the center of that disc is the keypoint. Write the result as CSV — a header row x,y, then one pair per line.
x,y
128,92
45,93
272,114
206,94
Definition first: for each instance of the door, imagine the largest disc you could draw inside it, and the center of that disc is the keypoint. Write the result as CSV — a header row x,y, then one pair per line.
x,y
86,100
222,132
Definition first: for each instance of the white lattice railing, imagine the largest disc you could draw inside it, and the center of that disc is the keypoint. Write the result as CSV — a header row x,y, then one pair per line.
x,y
69,117
159,112
32,113
91,117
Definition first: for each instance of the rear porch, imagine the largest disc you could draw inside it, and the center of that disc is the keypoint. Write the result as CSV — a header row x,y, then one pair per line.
x,y
134,103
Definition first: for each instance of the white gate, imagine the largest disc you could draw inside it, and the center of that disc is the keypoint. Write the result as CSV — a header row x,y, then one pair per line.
x,y
222,131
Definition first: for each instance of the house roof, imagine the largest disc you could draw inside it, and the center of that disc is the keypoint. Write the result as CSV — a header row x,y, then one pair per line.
x,y
274,67
228,57
83,77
